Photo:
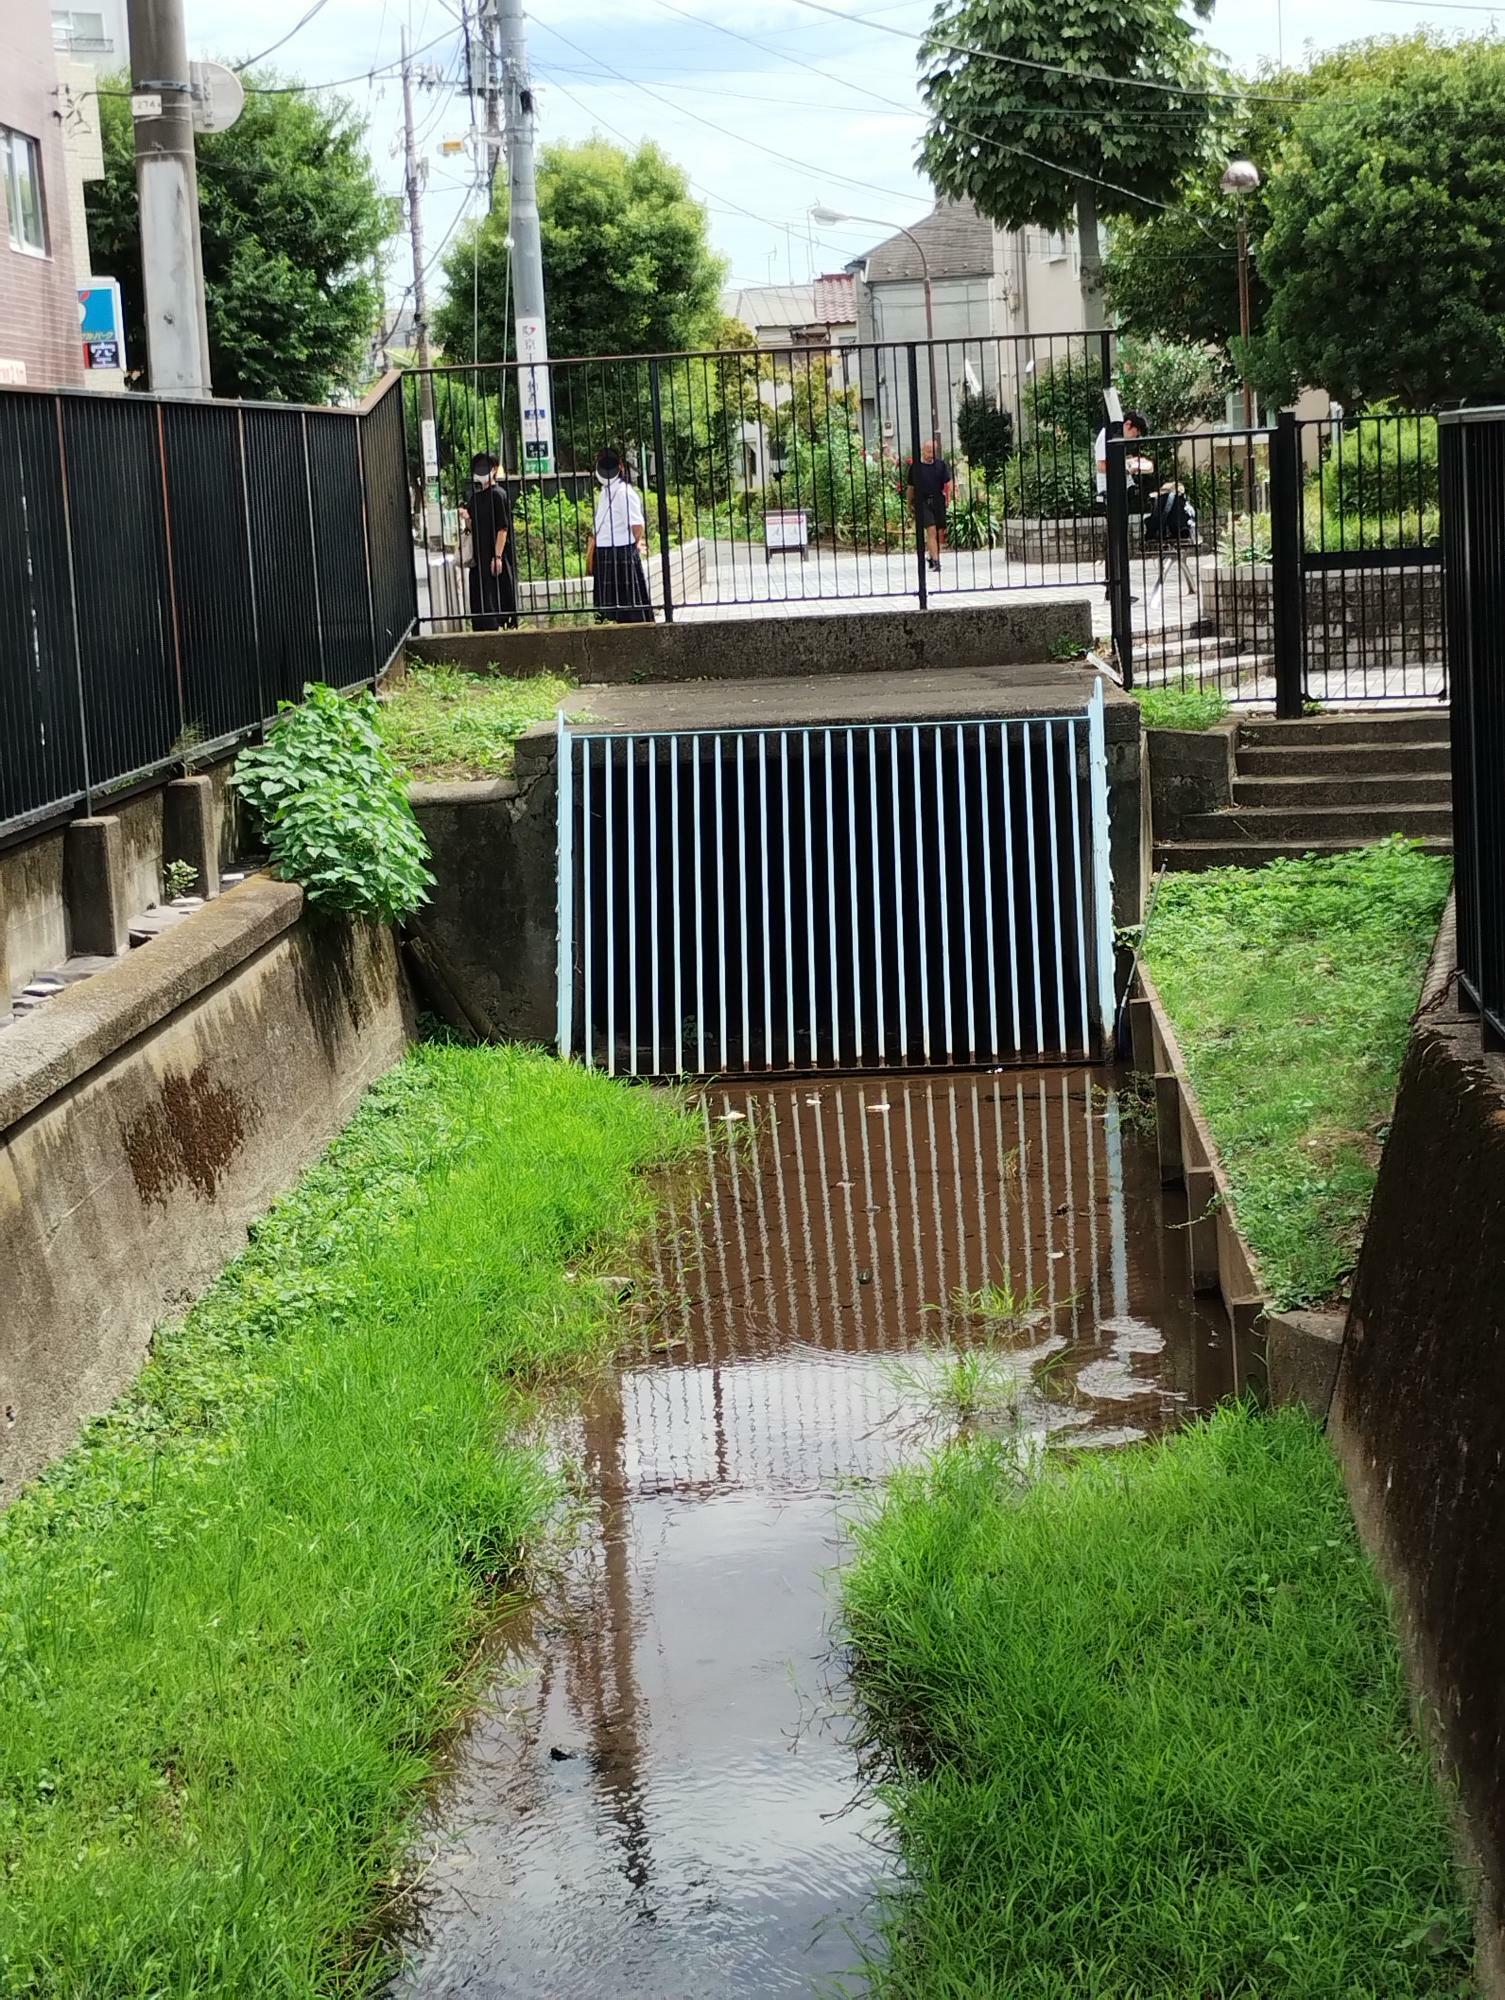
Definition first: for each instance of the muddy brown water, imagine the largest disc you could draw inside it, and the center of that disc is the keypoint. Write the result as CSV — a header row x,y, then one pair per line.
x,y
661,1800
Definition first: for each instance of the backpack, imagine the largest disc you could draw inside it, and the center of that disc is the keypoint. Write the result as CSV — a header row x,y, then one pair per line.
x,y
1171,516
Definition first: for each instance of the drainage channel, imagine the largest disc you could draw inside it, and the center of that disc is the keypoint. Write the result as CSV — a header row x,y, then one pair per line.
x,y
662,1802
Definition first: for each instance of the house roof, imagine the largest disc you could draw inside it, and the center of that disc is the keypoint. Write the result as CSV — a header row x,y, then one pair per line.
x,y
958,243
830,301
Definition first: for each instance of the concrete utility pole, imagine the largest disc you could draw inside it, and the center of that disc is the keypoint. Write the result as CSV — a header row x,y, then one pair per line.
x,y
167,190
535,394
412,182
488,24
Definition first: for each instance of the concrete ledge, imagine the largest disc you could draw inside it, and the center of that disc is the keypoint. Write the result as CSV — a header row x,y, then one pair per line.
x,y
1015,631
1302,1351
1190,771
84,1026
430,792
1219,1258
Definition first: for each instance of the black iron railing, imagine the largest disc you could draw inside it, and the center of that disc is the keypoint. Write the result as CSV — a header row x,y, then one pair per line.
x,y
170,570
1295,563
1472,458
775,476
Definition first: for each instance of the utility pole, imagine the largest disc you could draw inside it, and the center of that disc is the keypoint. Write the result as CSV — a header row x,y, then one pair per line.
x,y
167,191
488,25
535,395
413,184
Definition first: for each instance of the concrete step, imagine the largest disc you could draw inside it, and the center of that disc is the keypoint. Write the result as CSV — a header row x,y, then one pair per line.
x,y
1410,759
1198,854
1354,826
1410,725
1379,789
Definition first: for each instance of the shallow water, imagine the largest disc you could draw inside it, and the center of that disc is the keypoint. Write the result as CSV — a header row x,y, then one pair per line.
x,y
661,1802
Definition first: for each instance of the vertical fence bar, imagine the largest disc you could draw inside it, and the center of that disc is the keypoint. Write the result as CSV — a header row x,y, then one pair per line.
x,y
872,791
698,850
587,906
566,863
922,574
1102,874
661,489
901,924
655,989
1288,611
675,857
609,874
1120,593
986,831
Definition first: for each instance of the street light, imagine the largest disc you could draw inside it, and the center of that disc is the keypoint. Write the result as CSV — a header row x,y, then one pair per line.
x,y
826,216
1240,178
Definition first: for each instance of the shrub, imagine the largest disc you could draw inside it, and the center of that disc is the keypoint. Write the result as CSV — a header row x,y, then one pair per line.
x,y
985,433
1064,401
1049,482
1176,383
972,524
335,811
1378,465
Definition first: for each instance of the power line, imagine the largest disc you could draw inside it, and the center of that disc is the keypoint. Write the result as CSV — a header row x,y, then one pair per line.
x,y
933,41
301,23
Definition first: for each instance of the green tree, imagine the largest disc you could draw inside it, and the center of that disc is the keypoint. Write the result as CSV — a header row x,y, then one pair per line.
x,y
1385,250
292,220
627,261
1032,132
1174,383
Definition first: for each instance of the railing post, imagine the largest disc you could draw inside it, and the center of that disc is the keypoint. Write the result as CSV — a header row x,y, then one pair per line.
x,y
921,572
1105,357
1288,586
1120,597
660,481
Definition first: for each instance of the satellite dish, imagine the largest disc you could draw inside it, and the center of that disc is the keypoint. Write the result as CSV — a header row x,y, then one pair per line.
x,y
219,96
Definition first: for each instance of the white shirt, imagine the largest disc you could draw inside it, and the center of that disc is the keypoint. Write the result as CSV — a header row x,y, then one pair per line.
x,y
1099,460
619,509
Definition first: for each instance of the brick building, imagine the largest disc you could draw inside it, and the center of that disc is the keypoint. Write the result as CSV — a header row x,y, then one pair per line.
x,y
39,260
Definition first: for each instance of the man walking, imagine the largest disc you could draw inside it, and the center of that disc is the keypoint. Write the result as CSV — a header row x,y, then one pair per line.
x,y
493,559
929,490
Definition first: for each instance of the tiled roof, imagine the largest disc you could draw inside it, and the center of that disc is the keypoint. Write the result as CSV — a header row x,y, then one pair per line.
x,y
830,301
958,243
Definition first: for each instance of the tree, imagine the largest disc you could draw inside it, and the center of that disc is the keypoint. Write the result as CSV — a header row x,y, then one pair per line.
x,y
627,262
292,220
1385,250
1173,383
1033,133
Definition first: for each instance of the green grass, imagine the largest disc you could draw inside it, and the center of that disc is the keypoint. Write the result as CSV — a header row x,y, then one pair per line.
x,y
1142,1731
236,1621
1181,708
441,722
1291,988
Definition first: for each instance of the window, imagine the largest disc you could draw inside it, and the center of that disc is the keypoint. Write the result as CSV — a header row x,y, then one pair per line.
x,y
22,159
82,33
1055,247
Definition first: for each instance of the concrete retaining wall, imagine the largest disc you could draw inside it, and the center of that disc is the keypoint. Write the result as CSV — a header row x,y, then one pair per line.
x,y
1189,771
1021,631
1081,538
1361,612
147,1117
1419,1415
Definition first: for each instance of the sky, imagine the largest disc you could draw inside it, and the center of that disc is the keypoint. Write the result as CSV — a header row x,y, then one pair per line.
x,y
771,107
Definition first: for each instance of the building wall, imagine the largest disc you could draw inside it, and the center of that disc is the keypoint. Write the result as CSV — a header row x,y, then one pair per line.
x,y
38,294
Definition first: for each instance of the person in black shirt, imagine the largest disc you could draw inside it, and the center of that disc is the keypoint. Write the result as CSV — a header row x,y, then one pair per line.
x,y
929,490
493,558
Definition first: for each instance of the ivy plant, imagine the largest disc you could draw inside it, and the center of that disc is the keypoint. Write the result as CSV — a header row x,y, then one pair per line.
x,y
335,811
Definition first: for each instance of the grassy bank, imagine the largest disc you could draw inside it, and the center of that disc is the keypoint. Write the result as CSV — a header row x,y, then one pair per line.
x,y
1291,988
235,1620
441,722
1181,708
1143,1732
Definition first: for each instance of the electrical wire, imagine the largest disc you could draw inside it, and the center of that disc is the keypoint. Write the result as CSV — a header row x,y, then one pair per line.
x,y
301,23
932,40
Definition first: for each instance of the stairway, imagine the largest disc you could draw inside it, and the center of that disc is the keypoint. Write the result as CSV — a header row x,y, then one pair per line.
x,y
1323,784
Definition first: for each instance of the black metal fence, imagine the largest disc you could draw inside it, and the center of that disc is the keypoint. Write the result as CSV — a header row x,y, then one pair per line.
x,y
1300,563
778,475
1472,455
170,570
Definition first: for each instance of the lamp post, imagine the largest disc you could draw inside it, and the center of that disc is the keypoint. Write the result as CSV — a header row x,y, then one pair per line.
x,y
827,216
1240,178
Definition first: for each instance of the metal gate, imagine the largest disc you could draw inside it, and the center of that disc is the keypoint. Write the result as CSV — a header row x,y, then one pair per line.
x,y
897,895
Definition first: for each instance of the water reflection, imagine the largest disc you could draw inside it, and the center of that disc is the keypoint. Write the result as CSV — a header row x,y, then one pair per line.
x,y
662,1803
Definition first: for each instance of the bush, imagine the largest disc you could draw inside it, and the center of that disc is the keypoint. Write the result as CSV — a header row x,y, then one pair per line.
x,y
972,524
1064,401
1049,482
335,811
985,433
1181,708
1382,464
1176,383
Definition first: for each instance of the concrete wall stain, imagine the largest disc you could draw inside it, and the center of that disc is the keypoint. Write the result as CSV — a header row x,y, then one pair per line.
x,y
188,1137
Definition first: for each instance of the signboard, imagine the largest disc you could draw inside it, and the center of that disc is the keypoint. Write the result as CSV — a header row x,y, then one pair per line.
x,y
786,530
535,396
101,321
13,373
430,449
146,104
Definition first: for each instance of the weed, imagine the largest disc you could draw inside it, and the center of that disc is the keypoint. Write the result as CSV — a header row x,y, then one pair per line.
x,y
1065,646
1181,708
960,1389
441,722
234,1620
178,878
1291,988
1000,1303
1142,1728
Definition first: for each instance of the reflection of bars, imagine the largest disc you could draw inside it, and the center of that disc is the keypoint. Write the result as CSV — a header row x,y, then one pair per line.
x,y
892,895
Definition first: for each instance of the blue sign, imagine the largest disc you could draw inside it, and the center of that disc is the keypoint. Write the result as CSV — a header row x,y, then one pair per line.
x,y
101,322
